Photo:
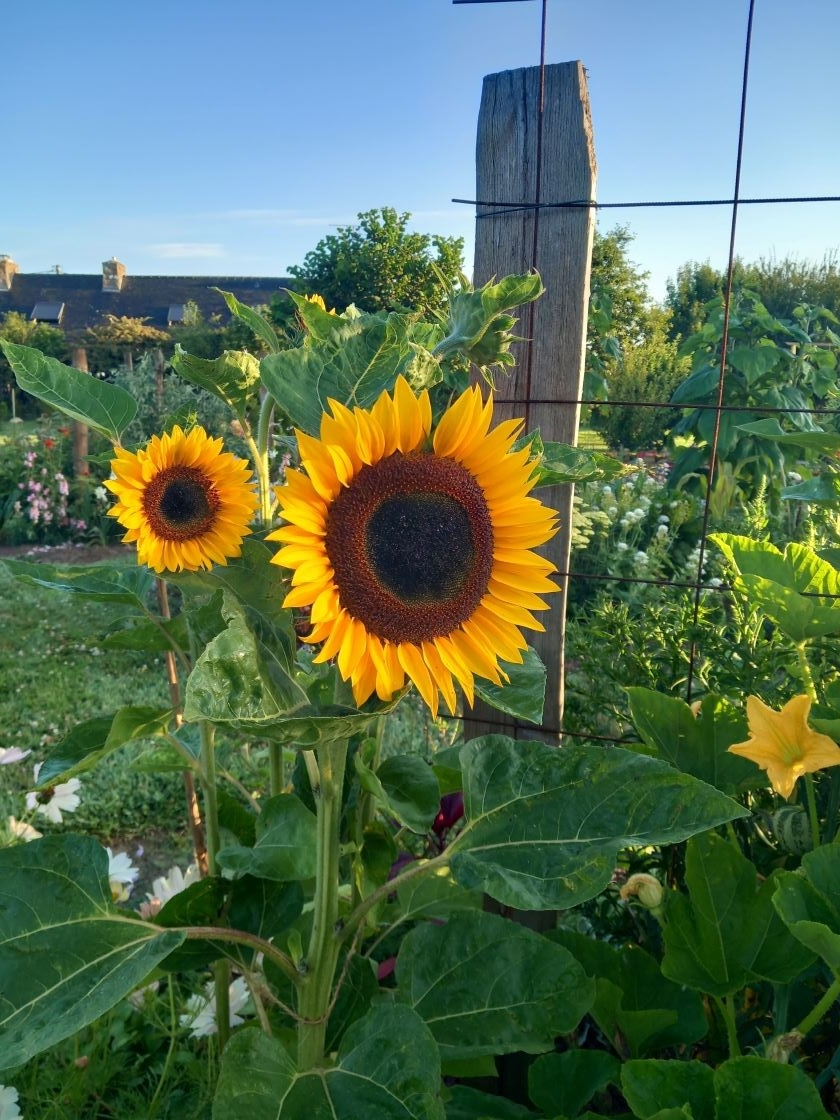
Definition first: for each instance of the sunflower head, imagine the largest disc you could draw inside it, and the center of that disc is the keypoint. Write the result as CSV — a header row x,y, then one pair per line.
x,y
185,502
412,550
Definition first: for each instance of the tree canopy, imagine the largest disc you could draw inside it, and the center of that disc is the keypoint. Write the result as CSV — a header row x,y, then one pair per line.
x,y
379,265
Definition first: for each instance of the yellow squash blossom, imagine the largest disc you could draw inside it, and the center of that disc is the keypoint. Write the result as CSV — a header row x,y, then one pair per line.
x,y
783,744
185,502
412,550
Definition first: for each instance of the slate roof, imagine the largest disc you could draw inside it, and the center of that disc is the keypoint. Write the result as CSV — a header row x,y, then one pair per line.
x,y
141,297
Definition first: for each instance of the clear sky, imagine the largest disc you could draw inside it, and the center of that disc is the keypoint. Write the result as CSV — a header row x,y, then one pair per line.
x,y
203,137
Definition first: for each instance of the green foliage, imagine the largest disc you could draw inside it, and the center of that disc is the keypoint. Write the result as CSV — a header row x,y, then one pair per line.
x,y
772,363
379,265
50,340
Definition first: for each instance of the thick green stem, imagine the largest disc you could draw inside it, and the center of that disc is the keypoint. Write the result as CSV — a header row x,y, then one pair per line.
x,y
325,940
805,669
724,1005
814,1016
276,772
811,798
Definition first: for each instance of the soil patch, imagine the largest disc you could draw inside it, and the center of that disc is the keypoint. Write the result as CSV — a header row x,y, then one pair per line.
x,y
67,553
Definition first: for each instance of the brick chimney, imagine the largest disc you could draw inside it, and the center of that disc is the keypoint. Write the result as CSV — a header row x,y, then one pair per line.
x,y
113,274
8,268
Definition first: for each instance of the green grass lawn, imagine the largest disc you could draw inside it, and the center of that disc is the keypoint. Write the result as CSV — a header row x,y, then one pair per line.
x,y
54,674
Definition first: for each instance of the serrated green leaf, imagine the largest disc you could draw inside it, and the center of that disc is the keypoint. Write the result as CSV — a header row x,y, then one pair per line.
x,y
388,1067
523,697
355,373
285,846
89,742
234,377
131,585
726,933
67,954
411,790
485,985
544,826
261,327
105,408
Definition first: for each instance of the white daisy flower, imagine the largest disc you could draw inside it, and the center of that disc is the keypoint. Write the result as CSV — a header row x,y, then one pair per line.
x,y
9,755
167,887
200,1016
122,875
9,1103
23,831
52,802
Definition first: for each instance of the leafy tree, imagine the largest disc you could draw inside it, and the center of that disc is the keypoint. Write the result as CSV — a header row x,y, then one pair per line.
x,y
378,265
647,372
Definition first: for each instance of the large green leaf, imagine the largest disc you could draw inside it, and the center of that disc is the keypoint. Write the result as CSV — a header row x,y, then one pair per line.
x,y
636,1007
388,1067
411,790
66,954
795,589
90,741
465,1103
234,376
545,825
105,408
285,845
748,1087
355,373
486,985
116,585
561,1084
523,697
651,1085
726,934
808,901
261,327
239,679
696,744
479,326
827,442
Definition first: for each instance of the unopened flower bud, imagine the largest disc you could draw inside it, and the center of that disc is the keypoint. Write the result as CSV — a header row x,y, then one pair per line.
x,y
647,889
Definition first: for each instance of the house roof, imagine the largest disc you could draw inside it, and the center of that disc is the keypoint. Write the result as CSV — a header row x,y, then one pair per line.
x,y
85,304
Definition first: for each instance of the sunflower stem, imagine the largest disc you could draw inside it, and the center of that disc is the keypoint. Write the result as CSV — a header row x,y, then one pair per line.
x,y
325,940
259,450
276,770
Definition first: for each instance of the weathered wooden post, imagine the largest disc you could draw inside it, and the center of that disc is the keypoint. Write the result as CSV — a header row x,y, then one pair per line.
x,y
80,432
535,146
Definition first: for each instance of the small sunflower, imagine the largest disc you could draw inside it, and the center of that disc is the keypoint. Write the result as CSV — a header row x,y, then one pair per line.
x,y
185,502
414,553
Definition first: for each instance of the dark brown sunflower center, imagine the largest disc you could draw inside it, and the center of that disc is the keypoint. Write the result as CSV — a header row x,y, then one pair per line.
x,y
410,541
180,503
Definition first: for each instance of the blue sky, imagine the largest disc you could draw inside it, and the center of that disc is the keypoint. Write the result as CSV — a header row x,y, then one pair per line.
x,y
207,138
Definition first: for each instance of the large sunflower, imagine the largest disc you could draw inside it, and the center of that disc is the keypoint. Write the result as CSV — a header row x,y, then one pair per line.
x,y
413,554
184,501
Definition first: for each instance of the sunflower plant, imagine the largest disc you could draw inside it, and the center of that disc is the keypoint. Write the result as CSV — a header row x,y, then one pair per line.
x,y
397,554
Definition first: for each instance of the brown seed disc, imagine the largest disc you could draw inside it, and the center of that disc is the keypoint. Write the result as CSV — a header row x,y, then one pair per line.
x,y
180,503
410,541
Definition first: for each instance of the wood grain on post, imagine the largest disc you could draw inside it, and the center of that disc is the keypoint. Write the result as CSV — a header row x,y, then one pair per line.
x,y
80,432
535,145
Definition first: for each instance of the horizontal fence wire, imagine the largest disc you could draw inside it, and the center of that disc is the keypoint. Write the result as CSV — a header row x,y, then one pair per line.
x,y
500,208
